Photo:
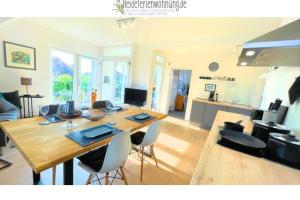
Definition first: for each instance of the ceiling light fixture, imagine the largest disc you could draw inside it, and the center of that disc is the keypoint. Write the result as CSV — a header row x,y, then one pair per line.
x,y
125,22
243,63
250,53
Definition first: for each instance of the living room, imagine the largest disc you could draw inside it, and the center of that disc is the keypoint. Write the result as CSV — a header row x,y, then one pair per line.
x,y
79,61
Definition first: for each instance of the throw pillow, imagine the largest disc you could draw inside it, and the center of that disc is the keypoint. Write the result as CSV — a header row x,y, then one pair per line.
x,y
6,106
13,97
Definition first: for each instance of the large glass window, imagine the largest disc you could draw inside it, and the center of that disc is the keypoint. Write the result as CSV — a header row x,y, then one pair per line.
x,y
62,64
88,79
73,77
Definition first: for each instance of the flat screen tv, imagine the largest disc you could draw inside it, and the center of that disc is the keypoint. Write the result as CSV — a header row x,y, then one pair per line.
x,y
135,96
294,91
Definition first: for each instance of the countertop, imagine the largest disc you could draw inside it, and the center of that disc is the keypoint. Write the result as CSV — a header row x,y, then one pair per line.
x,y
221,165
222,103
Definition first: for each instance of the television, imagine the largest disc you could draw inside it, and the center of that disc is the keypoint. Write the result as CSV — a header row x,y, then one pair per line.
x,y
294,91
135,96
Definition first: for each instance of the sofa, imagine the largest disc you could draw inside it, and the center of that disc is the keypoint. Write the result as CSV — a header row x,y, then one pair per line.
x,y
10,109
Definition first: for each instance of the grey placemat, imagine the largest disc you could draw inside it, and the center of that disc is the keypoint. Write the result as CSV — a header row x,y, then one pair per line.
x,y
141,121
77,136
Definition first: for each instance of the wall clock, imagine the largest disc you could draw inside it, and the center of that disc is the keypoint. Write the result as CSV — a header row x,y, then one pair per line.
x,y
214,66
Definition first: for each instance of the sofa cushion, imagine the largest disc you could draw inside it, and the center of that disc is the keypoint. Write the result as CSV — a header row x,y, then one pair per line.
x,y
6,106
13,97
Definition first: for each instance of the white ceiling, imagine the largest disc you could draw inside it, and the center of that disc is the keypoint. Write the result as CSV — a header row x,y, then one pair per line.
x,y
104,31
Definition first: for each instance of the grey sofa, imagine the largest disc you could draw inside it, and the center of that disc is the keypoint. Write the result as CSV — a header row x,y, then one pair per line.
x,y
14,114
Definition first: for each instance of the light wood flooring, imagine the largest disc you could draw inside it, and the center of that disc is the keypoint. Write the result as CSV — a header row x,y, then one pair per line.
x,y
177,151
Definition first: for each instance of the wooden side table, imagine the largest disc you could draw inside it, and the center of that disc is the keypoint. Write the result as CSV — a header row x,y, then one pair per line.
x,y
29,98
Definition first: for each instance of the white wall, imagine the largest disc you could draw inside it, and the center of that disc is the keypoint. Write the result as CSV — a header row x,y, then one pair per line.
x,y
277,85
27,33
198,63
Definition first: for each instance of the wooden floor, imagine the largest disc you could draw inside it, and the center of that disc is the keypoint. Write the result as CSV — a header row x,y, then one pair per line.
x,y
177,150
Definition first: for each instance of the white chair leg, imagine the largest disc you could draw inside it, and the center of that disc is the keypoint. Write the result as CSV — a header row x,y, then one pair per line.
x,y
53,175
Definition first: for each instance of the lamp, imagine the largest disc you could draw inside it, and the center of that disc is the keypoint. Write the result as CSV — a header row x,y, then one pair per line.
x,y
124,22
26,81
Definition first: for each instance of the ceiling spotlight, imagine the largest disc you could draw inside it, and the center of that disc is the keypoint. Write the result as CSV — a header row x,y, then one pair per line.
x,y
250,53
243,63
125,22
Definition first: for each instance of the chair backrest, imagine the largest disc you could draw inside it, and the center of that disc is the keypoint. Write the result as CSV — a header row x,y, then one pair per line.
x,y
99,104
281,114
151,134
117,152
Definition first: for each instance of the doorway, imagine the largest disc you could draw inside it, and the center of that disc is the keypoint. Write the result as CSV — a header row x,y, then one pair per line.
x,y
180,87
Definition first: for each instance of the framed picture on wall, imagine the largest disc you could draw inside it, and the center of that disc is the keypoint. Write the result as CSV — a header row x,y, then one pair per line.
x,y
210,87
19,56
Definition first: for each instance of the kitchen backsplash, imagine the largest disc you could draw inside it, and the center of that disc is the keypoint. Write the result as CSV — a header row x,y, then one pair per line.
x,y
293,117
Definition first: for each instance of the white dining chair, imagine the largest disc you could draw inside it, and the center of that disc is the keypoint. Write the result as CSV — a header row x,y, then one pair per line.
x,y
144,139
114,156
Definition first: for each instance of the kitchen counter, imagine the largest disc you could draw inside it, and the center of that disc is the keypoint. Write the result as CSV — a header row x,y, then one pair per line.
x,y
221,165
222,103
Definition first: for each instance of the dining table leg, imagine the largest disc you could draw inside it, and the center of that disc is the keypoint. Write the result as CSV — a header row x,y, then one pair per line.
x,y
68,172
36,178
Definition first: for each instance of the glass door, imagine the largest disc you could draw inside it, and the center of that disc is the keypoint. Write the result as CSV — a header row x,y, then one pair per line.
x,y
63,76
121,81
114,80
157,82
88,73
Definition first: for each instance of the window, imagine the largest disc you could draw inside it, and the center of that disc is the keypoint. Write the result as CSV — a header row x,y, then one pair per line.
x,y
73,80
62,64
115,73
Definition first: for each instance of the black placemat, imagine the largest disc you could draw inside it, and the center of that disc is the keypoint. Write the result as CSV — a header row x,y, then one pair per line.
x,y
77,137
141,121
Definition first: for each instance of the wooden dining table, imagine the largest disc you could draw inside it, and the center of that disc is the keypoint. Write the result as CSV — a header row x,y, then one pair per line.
x,y
46,146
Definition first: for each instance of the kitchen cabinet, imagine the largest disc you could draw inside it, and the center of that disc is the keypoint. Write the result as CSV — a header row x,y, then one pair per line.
x,y
210,112
197,113
203,112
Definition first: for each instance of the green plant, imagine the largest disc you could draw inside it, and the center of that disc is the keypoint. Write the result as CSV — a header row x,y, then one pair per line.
x,y
119,7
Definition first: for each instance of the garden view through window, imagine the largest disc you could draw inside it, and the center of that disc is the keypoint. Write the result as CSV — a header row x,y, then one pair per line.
x,y
62,76
65,72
